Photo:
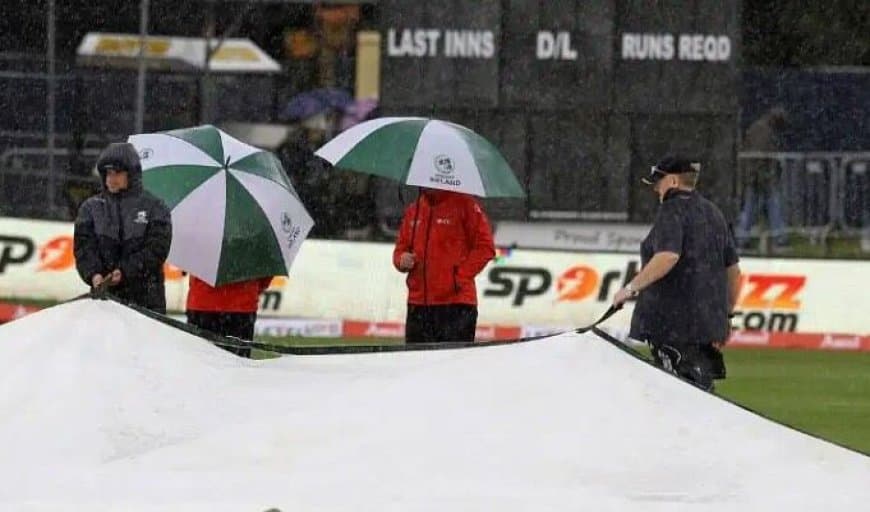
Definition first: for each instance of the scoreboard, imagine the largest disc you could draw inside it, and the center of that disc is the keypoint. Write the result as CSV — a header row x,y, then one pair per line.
x,y
557,55
443,53
582,96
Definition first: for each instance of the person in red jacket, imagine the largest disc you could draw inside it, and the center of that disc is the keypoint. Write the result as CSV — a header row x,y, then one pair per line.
x,y
445,240
228,310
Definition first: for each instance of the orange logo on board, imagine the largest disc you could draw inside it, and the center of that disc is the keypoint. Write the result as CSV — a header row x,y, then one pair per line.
x,y
771,291
57,254
278,282
171,272
577,283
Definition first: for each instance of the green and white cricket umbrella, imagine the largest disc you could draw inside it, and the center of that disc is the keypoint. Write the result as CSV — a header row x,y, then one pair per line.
x,y
235,214
424,153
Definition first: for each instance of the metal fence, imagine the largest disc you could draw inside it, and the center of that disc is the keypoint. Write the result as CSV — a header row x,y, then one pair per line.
x,y
820,191
28,188
40,169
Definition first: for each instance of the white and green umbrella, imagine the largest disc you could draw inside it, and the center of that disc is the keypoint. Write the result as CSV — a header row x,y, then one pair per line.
x,y
424,153
235,215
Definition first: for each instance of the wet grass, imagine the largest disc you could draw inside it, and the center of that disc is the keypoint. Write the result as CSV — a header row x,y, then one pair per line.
x,y
825,393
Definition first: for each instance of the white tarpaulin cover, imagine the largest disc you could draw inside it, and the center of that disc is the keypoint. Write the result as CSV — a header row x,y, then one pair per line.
x,y
102,408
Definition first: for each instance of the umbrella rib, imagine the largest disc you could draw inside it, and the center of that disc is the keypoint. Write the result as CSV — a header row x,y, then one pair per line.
x,y
283,185
176,137
470,149
241,187
281,177
413,154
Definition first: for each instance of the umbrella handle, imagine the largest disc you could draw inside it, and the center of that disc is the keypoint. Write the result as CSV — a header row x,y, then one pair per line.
x,y
416,217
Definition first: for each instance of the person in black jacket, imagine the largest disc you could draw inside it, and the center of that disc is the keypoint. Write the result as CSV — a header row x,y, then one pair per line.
x,y
689,281
122,235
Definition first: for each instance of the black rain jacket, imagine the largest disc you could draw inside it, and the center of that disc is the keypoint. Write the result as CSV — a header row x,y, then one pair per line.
x,y
130,231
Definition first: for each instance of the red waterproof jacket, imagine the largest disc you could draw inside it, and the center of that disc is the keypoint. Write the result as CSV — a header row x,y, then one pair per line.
x,y
241,297
452,243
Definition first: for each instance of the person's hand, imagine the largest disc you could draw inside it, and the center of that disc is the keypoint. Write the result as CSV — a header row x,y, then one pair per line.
x,y
97,280
115,277
407,261
622,296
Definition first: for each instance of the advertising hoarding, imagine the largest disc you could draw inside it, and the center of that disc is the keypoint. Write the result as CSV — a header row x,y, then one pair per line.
x,y
356,281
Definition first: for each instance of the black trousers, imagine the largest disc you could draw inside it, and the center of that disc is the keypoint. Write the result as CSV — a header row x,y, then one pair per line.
x,y
698,364
238,325
433,324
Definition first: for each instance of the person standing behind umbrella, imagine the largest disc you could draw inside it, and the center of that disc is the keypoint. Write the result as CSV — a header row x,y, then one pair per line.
x,y
228,310
122,235
445,240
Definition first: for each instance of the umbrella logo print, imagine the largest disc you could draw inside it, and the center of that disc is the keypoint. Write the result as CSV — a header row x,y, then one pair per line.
x,y
444,168
288,228
443,164
145,153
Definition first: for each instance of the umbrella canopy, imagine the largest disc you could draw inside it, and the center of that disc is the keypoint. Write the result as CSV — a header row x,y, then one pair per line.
x,y
424,153
357,112
311,103
235,214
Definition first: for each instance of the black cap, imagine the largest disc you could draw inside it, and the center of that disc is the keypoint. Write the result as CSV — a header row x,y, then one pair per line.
x,y
670,165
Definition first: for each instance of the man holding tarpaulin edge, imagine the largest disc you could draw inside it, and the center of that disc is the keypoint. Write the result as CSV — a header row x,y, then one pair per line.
x,y
690,278
123,234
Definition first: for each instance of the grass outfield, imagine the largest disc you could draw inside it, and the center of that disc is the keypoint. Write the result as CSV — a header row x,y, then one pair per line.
x,y
823,393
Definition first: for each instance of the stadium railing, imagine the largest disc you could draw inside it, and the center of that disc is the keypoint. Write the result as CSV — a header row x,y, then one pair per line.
x,y
822,192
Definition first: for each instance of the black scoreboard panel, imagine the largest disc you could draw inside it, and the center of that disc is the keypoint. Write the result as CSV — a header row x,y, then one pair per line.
x,y
441,54
556,55
581,97
578,162
711,140
676,55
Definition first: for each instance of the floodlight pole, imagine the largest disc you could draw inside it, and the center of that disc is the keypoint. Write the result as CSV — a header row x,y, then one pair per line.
x,y
50,105
205,77
205,82
140,78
